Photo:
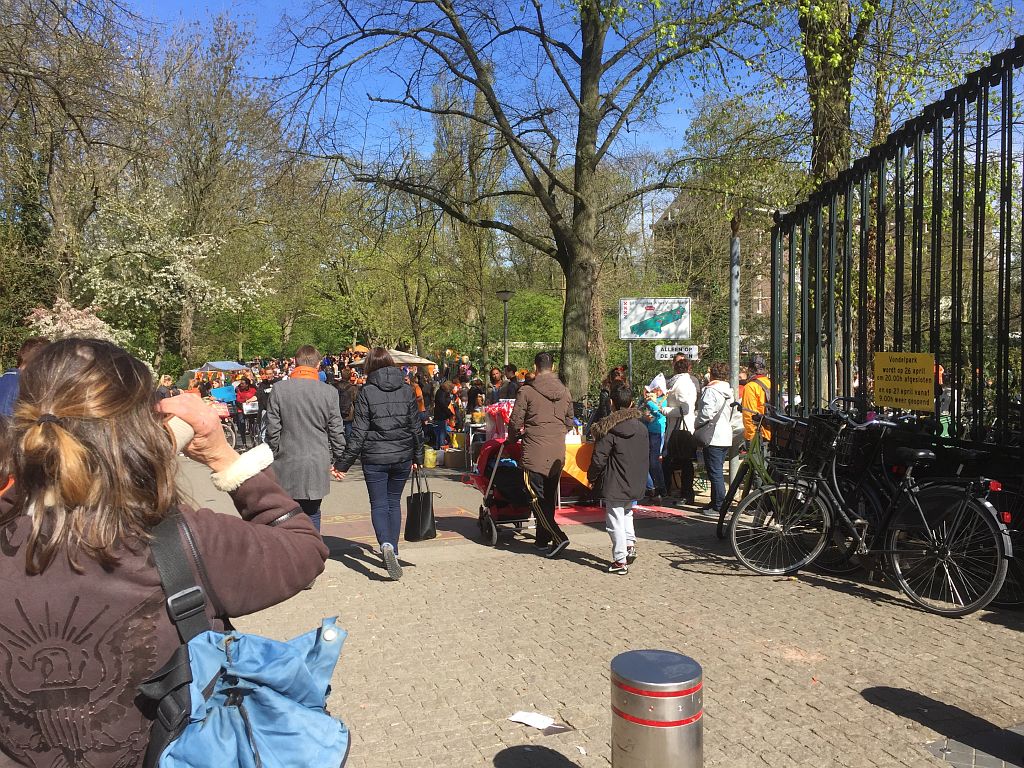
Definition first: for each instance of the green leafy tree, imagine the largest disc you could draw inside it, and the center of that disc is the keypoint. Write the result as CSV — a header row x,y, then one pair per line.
x,y
561,86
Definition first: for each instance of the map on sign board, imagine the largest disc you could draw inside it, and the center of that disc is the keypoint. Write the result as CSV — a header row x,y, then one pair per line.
x,y
654,319
905,380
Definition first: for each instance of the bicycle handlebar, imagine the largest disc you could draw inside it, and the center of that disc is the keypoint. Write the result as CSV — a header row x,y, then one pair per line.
x,y
757,416
907,417
835,400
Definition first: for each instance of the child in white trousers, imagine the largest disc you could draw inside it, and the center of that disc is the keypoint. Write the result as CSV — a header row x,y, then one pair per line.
x,y
618,520
619,469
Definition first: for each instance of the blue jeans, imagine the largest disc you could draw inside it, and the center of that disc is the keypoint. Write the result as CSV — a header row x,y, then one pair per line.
x,y
312,508
714,461
657,476
385,483
440,434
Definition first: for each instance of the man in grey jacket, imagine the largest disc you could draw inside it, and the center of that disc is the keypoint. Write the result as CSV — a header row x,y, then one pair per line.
x,y
306,433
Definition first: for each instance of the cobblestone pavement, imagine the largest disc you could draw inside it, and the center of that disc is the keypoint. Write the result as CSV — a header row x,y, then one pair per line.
x,y
807,671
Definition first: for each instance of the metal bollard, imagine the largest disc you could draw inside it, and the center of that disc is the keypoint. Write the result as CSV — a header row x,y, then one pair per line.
x,y
657,710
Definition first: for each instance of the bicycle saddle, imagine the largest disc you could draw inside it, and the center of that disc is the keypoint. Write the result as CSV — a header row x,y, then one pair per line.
x,y
913,456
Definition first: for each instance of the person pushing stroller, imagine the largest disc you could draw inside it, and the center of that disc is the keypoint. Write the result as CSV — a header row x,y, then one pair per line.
x,y
542,416
618,471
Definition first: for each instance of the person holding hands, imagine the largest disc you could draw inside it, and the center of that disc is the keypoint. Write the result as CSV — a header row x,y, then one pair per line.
x,y
388,440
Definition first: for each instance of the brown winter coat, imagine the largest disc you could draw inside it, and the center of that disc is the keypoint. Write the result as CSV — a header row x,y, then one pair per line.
x,y
621,460
74,646
542,415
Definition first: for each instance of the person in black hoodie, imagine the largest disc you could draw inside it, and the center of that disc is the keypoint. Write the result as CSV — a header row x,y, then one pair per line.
x,y
442,412
619,469
388,441
347,393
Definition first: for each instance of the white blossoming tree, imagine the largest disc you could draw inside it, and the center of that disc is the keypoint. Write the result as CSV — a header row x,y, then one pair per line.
x,y
137,264
65,320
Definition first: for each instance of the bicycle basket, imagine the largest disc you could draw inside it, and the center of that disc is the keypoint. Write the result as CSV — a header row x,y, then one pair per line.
x,y
819,442
855,450
788,439
781,470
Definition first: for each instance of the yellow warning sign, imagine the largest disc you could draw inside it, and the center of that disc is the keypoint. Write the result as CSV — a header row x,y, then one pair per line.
x,y
905,380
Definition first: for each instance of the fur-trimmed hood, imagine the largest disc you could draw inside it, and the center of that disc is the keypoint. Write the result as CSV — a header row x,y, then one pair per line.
x,y
601,428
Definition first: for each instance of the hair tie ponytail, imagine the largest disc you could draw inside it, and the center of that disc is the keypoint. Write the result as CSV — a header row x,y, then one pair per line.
x,y
49,418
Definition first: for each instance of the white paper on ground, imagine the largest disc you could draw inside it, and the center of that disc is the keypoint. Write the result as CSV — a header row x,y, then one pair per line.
x,y
533,719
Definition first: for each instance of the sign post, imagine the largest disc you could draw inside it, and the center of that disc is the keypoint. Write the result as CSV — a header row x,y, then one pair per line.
x,y
905,380
668,351
650,319
734,327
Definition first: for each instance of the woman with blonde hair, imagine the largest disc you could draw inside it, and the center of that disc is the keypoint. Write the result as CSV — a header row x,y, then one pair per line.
x,y
86,622
166,387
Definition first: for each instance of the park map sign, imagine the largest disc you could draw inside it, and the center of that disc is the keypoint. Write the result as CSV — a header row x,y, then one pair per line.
x,y
642,319
905,380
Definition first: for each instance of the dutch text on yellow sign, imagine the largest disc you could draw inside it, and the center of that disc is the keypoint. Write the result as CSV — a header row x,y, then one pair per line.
x,y
905,380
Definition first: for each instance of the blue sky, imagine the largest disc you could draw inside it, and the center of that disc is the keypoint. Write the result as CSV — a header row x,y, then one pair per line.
x,y
263,17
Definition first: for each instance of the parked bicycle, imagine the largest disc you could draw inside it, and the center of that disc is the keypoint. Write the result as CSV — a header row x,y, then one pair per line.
x,y
764,461
941,540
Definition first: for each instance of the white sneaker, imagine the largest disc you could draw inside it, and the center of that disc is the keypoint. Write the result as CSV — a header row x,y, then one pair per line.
x,y
391,561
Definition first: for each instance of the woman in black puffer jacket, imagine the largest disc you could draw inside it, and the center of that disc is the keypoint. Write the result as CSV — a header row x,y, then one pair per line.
x,y
388,441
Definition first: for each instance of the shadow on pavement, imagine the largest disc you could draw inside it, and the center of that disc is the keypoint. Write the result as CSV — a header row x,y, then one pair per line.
x,y
528,756
1011,618
357,557
585,559
950,721
465,526
857,585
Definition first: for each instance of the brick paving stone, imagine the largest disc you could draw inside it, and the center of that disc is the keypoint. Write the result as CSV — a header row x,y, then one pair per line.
x,y
805,671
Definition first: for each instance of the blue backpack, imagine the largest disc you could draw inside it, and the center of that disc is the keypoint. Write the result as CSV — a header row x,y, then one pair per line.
x,y
230,699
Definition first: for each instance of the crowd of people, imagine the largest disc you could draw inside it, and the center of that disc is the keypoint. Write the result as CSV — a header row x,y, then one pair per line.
x,y
86,472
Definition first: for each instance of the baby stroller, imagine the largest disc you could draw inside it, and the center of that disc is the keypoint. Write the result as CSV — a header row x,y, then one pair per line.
x,y
499,477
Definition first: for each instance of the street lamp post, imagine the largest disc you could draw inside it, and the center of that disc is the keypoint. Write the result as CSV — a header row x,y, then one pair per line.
x,y
505,296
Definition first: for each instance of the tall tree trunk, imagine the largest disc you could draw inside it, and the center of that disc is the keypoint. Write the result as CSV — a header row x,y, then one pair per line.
x,y
580,288
830,119
481,272
161,342
287,324
185,331
598,348
579,257
831,47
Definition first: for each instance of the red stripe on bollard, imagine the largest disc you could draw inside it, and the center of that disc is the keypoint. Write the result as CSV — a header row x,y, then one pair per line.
x,y
658,723
657,694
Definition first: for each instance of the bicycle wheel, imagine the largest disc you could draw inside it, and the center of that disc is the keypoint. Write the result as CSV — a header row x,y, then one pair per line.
x,y
863,507
779,529
734,488
229,433
954,564
1012,593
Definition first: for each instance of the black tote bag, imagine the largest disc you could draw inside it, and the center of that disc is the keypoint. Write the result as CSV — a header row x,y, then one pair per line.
x,y
705,433
419,522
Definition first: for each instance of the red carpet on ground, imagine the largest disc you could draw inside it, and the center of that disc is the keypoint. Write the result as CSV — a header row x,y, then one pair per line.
x,y
579,514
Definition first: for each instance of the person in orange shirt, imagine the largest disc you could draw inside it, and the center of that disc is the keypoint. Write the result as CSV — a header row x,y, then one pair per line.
x,y
417,393
755,397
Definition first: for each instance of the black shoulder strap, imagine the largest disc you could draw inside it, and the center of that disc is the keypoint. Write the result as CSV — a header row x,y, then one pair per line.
x,y
186,600
765,387
168,688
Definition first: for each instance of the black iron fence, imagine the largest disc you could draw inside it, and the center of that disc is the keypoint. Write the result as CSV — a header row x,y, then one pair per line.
x,y
916,248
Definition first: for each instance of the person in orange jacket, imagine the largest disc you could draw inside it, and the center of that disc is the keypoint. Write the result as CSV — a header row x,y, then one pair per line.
x,y
755,397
